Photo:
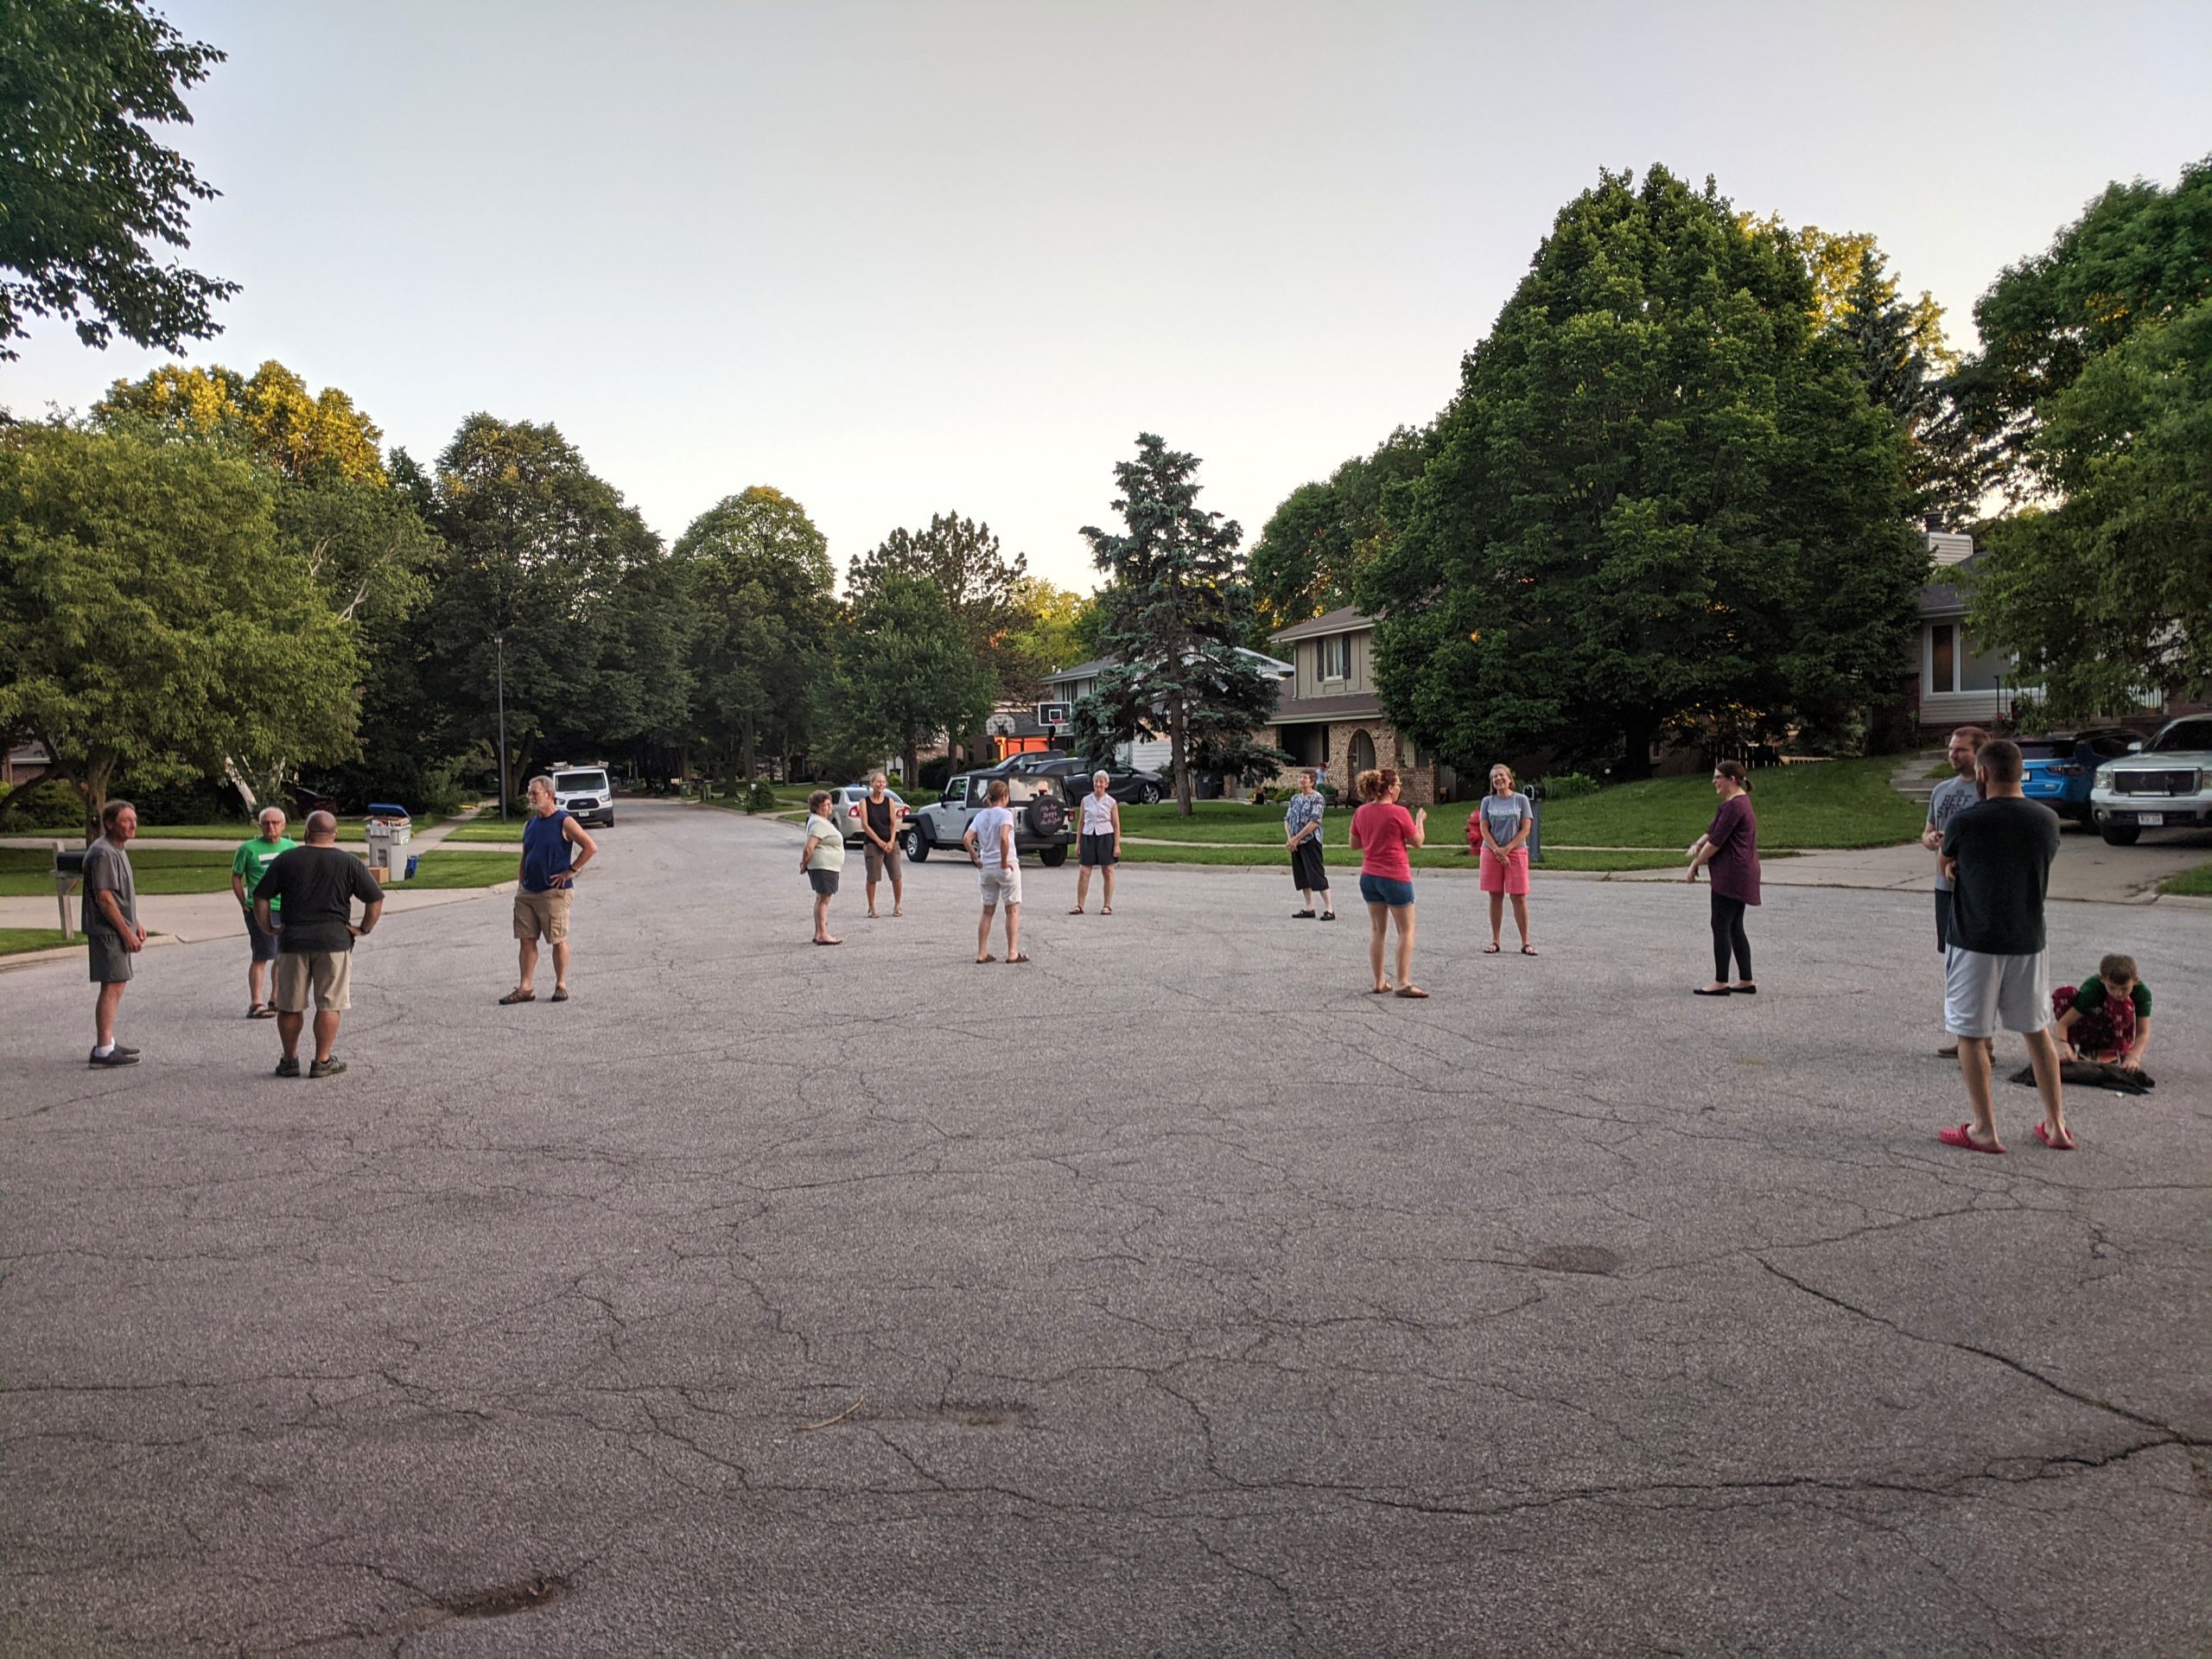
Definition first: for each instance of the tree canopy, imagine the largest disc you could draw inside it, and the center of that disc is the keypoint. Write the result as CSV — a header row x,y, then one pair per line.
x,y
88,190
150,615
905,672
1309,556
1662,499
1174,614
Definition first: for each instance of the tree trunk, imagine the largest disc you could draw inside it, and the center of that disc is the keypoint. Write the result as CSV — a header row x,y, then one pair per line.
x,y
913,759
745,750
1181,761
93,787
236,775
1637,733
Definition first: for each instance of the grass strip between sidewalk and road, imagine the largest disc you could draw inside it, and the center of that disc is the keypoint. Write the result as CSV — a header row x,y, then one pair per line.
x,y
14,941
1424,858
25,872
2190,884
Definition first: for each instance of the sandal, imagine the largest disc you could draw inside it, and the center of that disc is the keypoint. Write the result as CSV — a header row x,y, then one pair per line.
x,y
1491,949
1077,911
1381,990
1107,910
559,993
979,961
1963,1137
1411,990
2043,1134
513,997
1024,956
1530,950
261,1011
1302,915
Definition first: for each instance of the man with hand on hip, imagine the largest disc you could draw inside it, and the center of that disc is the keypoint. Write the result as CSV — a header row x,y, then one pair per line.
x,y
314,886
555,849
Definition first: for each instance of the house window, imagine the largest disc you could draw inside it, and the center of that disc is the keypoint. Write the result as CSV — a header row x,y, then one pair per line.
x,y
1942,658
1336,656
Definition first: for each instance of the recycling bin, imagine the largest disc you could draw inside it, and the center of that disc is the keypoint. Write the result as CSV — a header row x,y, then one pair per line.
x,y
389,831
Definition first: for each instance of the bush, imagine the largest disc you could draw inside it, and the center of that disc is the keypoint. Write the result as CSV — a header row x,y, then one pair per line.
x,y
761,798
49,804
1569,784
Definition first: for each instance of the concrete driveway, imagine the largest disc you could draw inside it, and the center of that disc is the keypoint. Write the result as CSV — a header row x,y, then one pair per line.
x,y
1169,1295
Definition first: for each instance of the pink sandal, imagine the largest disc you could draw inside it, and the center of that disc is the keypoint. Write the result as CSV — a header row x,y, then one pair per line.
x,y
2042,1134
1963,1136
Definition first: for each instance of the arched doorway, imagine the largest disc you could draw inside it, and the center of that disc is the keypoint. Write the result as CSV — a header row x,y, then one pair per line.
x,y
1363,753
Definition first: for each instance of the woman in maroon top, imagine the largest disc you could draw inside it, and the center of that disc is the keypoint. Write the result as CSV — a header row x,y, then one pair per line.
x,y
1382,830
1730,848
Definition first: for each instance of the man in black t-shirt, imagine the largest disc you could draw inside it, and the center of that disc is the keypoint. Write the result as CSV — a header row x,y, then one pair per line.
x,y
315,941
1998,855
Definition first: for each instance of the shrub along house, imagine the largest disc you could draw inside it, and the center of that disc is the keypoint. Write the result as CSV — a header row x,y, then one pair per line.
x,y
1329,718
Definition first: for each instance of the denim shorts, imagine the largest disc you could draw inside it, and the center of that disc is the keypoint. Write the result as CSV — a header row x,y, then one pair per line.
x,y
263,946
1385,890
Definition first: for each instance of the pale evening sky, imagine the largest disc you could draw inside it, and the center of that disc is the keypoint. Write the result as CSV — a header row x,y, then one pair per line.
x,y
900,257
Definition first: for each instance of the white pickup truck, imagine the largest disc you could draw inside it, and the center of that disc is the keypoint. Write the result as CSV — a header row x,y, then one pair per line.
x,y
1042,824
2167,783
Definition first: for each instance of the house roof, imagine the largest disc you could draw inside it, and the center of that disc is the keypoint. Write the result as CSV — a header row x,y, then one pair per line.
x,y
1946,597
1081,670
1342,618
1353,705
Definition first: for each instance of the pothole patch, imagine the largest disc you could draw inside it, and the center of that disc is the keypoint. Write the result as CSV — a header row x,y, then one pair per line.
x,y
1577,1258
507,1600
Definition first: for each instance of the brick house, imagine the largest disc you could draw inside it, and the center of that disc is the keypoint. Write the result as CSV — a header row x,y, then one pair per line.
x,y
1329,718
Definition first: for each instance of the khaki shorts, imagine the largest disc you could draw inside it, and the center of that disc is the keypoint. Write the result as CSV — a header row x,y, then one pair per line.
x,y
543,915
1002,886
329,973
878,861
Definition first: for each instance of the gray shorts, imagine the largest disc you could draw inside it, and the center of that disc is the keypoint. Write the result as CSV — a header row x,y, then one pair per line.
x,y
1001,885
261,943
823,881
111,958
1980,989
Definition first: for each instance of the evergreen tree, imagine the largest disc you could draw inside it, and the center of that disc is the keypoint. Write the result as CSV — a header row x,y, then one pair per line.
x,y
1177,609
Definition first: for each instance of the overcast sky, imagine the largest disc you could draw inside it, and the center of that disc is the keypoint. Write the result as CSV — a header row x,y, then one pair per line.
x,y
896,258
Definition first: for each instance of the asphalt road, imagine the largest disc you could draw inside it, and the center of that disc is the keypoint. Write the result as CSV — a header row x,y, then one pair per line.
x,y
1169,1295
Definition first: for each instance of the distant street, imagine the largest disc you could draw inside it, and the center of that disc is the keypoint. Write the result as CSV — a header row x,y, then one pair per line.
x,y
1168,1295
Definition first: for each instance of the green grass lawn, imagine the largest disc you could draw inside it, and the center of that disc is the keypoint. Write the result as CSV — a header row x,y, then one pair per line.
x,y
348,829
16,940
1425,858
25,872
2196,883
1831,804
485,829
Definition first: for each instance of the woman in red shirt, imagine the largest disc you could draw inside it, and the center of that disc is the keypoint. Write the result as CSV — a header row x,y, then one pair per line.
x,y
1384,830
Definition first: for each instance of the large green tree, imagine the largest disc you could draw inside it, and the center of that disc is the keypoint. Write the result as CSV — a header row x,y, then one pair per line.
x,y
2140,253
536,548
986,590
151,617
762,585
86,190
1311,550
1174,614
906,672
2108,593
1662,499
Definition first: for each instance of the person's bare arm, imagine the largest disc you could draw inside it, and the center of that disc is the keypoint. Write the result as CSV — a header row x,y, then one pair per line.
x,y
2134,1058
132,936
1421,829
261,914
806,852
579,838
1007,856
1117,828
238,890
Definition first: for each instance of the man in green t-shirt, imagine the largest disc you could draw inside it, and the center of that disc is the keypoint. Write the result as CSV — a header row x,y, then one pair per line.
x,y
247,865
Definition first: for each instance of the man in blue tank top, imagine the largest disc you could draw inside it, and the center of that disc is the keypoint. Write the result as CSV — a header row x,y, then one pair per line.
x,y
555,849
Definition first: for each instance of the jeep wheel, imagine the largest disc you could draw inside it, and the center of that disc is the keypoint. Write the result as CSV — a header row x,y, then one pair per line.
x,y
915,844
1052,857
2119,835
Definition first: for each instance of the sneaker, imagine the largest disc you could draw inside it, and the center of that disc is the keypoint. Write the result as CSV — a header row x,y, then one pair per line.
x,y
125,1048
116,1056
1949,1052
329,1068
289,1066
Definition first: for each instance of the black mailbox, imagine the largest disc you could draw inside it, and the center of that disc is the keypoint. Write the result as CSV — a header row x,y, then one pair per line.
x,y
69,862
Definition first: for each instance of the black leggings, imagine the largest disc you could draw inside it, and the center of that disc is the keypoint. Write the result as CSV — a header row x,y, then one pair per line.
x,y
1727,932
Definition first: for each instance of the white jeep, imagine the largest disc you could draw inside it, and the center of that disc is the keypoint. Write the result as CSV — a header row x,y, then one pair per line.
x,y
1042,824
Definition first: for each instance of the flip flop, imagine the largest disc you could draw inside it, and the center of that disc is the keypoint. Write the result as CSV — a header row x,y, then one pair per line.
x,y
1411,990
1077,911
1963,1137
1491,949
1024,956
1700,990
513,997
2042,1134
1380,990
829,941
1530,950
979,961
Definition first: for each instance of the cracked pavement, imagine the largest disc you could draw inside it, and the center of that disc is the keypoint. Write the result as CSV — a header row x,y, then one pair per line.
x,y
1170,1295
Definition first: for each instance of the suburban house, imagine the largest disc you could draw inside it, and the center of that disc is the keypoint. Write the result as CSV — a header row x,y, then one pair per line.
x,y
23,763
1329,718
1071,685
1953,680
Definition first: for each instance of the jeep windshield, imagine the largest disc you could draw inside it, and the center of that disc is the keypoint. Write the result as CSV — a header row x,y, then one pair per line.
x,y
579,783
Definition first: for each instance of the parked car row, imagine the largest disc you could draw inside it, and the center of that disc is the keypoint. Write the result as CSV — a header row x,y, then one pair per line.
x,y
1131,785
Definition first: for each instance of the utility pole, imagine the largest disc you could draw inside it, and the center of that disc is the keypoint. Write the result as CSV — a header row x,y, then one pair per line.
x,y
499,639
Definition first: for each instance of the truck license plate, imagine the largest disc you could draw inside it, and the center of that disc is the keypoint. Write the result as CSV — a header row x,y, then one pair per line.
x,y
2151,820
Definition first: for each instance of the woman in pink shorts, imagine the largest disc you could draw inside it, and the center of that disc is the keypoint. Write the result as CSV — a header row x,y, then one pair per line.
x,y
1502,822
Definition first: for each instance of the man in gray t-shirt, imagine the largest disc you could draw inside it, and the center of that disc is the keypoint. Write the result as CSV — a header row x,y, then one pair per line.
x,y
1951,796
113,935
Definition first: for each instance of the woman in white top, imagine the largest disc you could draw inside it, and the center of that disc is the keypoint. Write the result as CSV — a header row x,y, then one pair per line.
x,y
1102,842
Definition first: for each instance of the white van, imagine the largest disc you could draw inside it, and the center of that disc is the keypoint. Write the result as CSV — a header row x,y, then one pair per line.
x,y
587,793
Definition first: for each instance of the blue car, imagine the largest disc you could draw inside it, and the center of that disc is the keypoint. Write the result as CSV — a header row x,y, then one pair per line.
x,y
2059,769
